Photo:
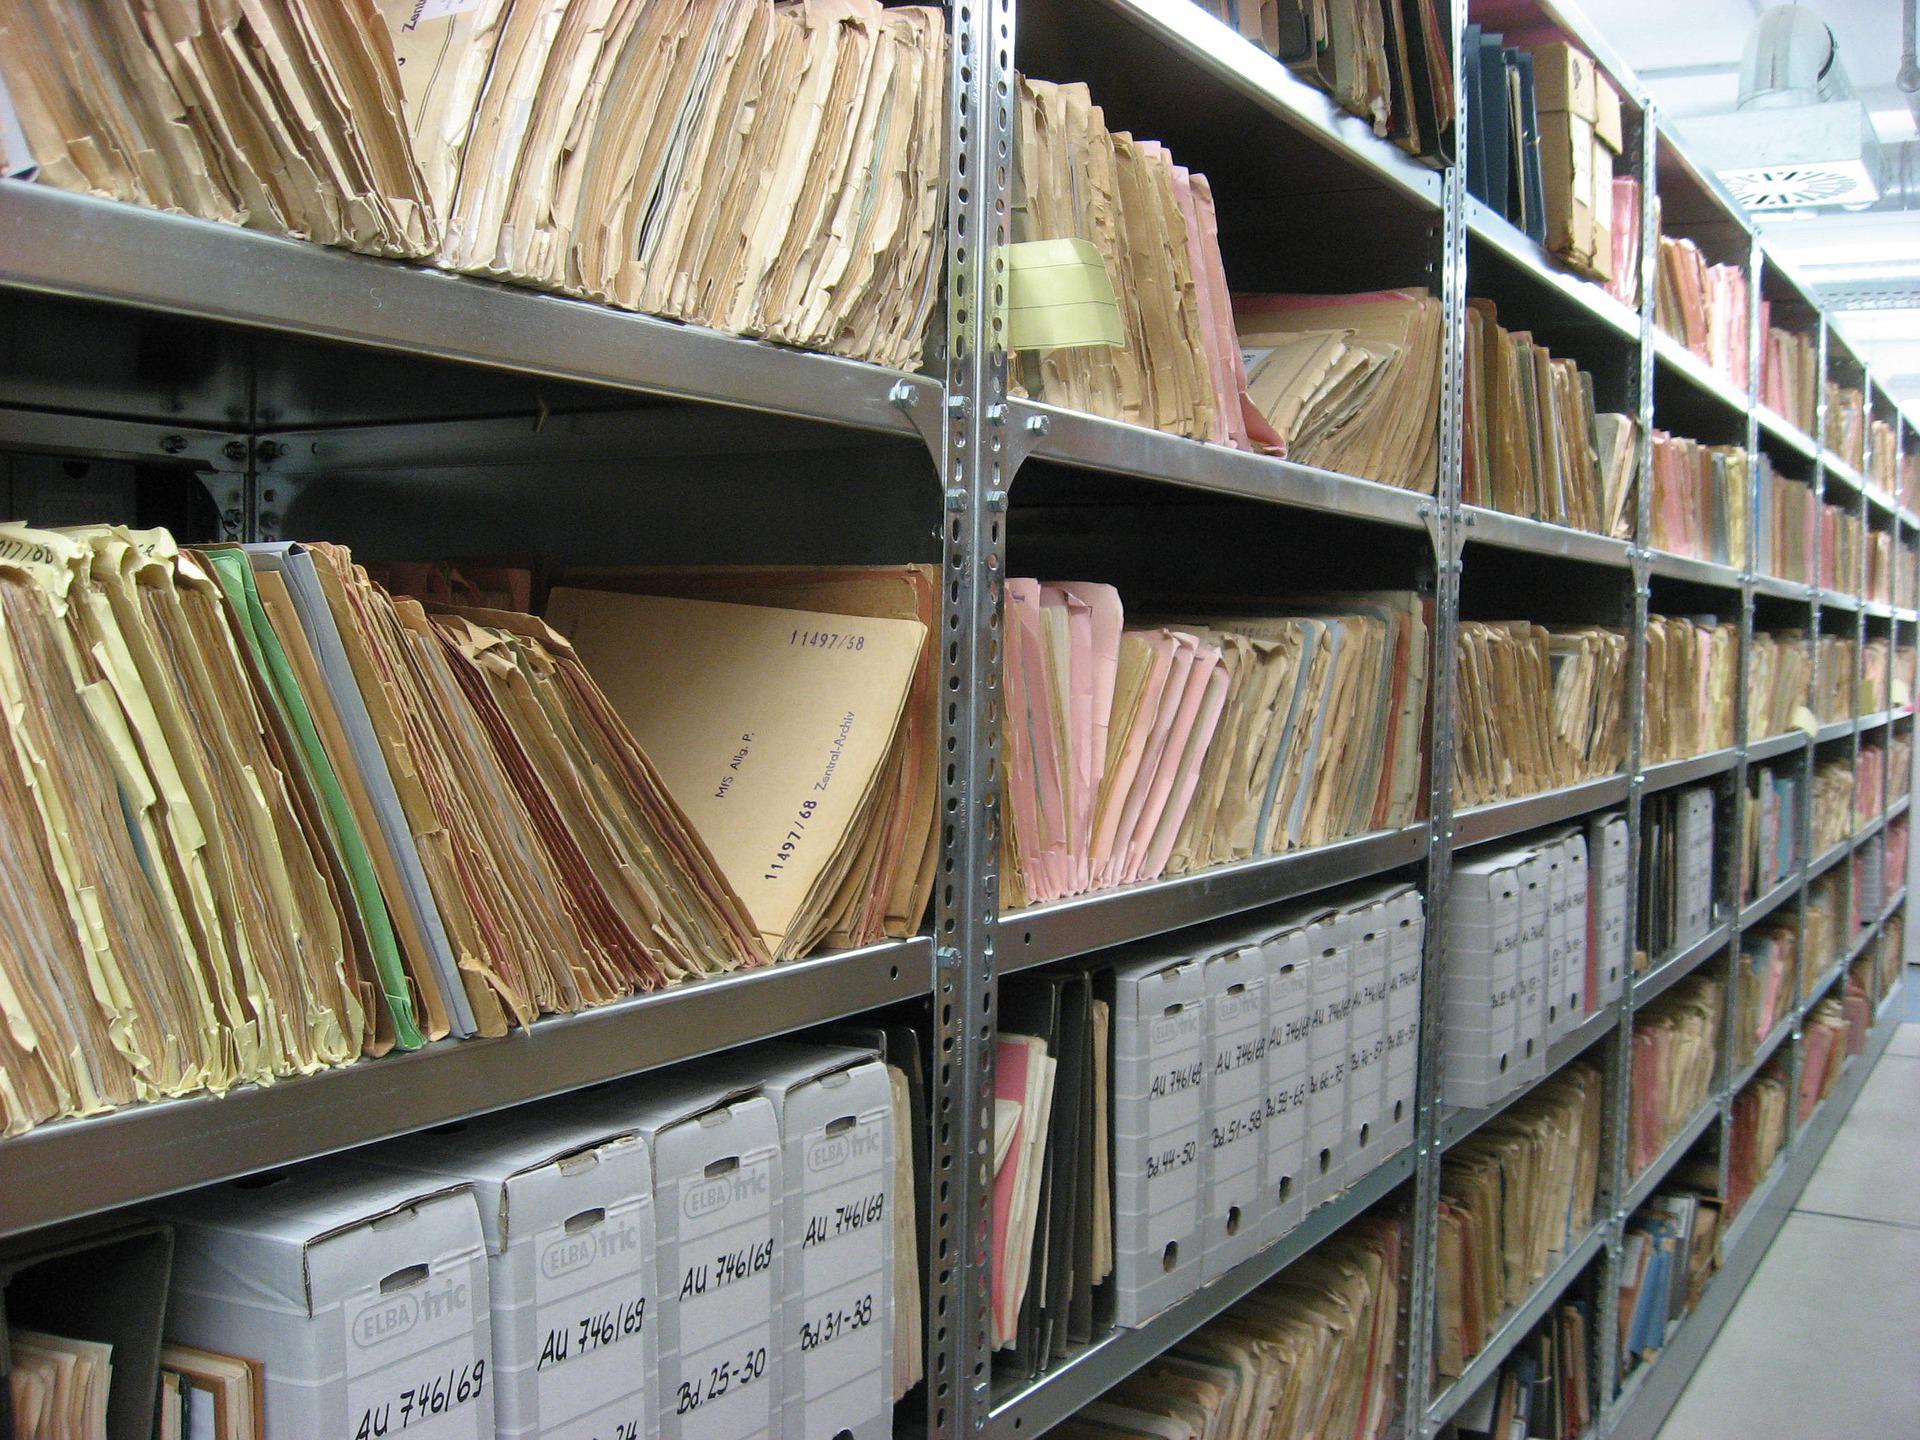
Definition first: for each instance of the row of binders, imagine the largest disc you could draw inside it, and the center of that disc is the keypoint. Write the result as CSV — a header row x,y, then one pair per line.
x,y
589,149
1692,683
1538,708
1676,891
1310,1352
1704,307
1669,1250
1770,847
1544,1389
723,1250
1514,1196
1536,942
1534,444
1700,499
1789,374
1163,748
270,816
1121,309
1765,989
1164,1114
1390,64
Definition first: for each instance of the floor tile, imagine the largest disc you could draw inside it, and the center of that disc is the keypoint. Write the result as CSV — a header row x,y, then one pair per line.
x,y
1822,1342
1906,1039
1871,1171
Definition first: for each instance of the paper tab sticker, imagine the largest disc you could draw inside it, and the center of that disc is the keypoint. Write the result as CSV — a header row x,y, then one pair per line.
x,y
1059,295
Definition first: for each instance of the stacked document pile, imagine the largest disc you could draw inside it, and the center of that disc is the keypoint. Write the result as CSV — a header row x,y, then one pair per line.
x,y
1514,1196
1389,64
1827,929
1545,1389
1533,444
1668,1255
597,150
1880,566
1765,989
1824,1046
1835,658
1704,307
1137,752
1539,709
733,1236
1843,543
1785,521
1347,381
1536,942
1676,872
1692,680
1869,782
1771,820
1308,1353
57,1388
1883,455
1625,284
1759,1132
1675,1044
1779,682
1789,374
1875,662
1846,427
1165,1113
1879,969
1699,499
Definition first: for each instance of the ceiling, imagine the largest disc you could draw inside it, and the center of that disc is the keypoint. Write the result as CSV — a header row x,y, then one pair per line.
x,y
1687,53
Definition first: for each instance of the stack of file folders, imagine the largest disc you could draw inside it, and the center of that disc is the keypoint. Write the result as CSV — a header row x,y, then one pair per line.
x,y
1676,871
1535,944
1539,708
1704,307
1758,1133
1843,544
1779,682
593,150
1692,681
1834,659
1832,803
1533,444
1765,989
1883,456
1846,425
1166,1112
1624,285
1700,499
1675,1045
1869,782
1670,1249
1310,1352
1158,749
1389,63
1875,663
1789,374
1771,819
1514,1196
1824,1042
1826,928
1544,1390
1880,566
1785,519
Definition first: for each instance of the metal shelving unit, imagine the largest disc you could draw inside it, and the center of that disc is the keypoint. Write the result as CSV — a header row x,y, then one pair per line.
x,y
310,365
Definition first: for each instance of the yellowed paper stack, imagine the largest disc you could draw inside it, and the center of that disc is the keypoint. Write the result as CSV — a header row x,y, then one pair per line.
x,y
1779,682
1539,709
1692,677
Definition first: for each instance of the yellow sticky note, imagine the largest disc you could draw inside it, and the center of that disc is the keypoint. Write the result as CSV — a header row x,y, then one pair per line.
x,y
1059,295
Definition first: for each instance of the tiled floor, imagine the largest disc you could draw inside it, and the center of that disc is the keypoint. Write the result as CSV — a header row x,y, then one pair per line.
x,y
1825,1340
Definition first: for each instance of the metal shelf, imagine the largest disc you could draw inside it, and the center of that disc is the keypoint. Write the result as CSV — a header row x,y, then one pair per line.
x,y
1538,537
1825,862
1083,923
1248,71
82,1167
1650,1179
1669,773
84,248
1458,1122
1510,817
1762,1054
1786,432
1658,979
1876,720
1515,1327
1877,609
1114,447
1519,250
1893,905
1758,910
1872,828
1669,566
1029,1409
1782,589
1775,746
1837,600
1822,983
1702,376
1842,471
1898,806
1833,730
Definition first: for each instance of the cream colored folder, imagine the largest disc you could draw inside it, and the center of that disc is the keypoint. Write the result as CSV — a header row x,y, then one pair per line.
x,y
769,726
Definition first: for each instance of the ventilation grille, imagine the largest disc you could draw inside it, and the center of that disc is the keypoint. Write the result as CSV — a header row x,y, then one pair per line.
x,y
1794,187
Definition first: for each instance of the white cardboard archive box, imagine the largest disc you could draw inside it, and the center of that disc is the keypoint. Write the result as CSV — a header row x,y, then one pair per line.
x,y
1330,971
1367,1033
363,1295
1406,951
1235,1204
1283,1139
